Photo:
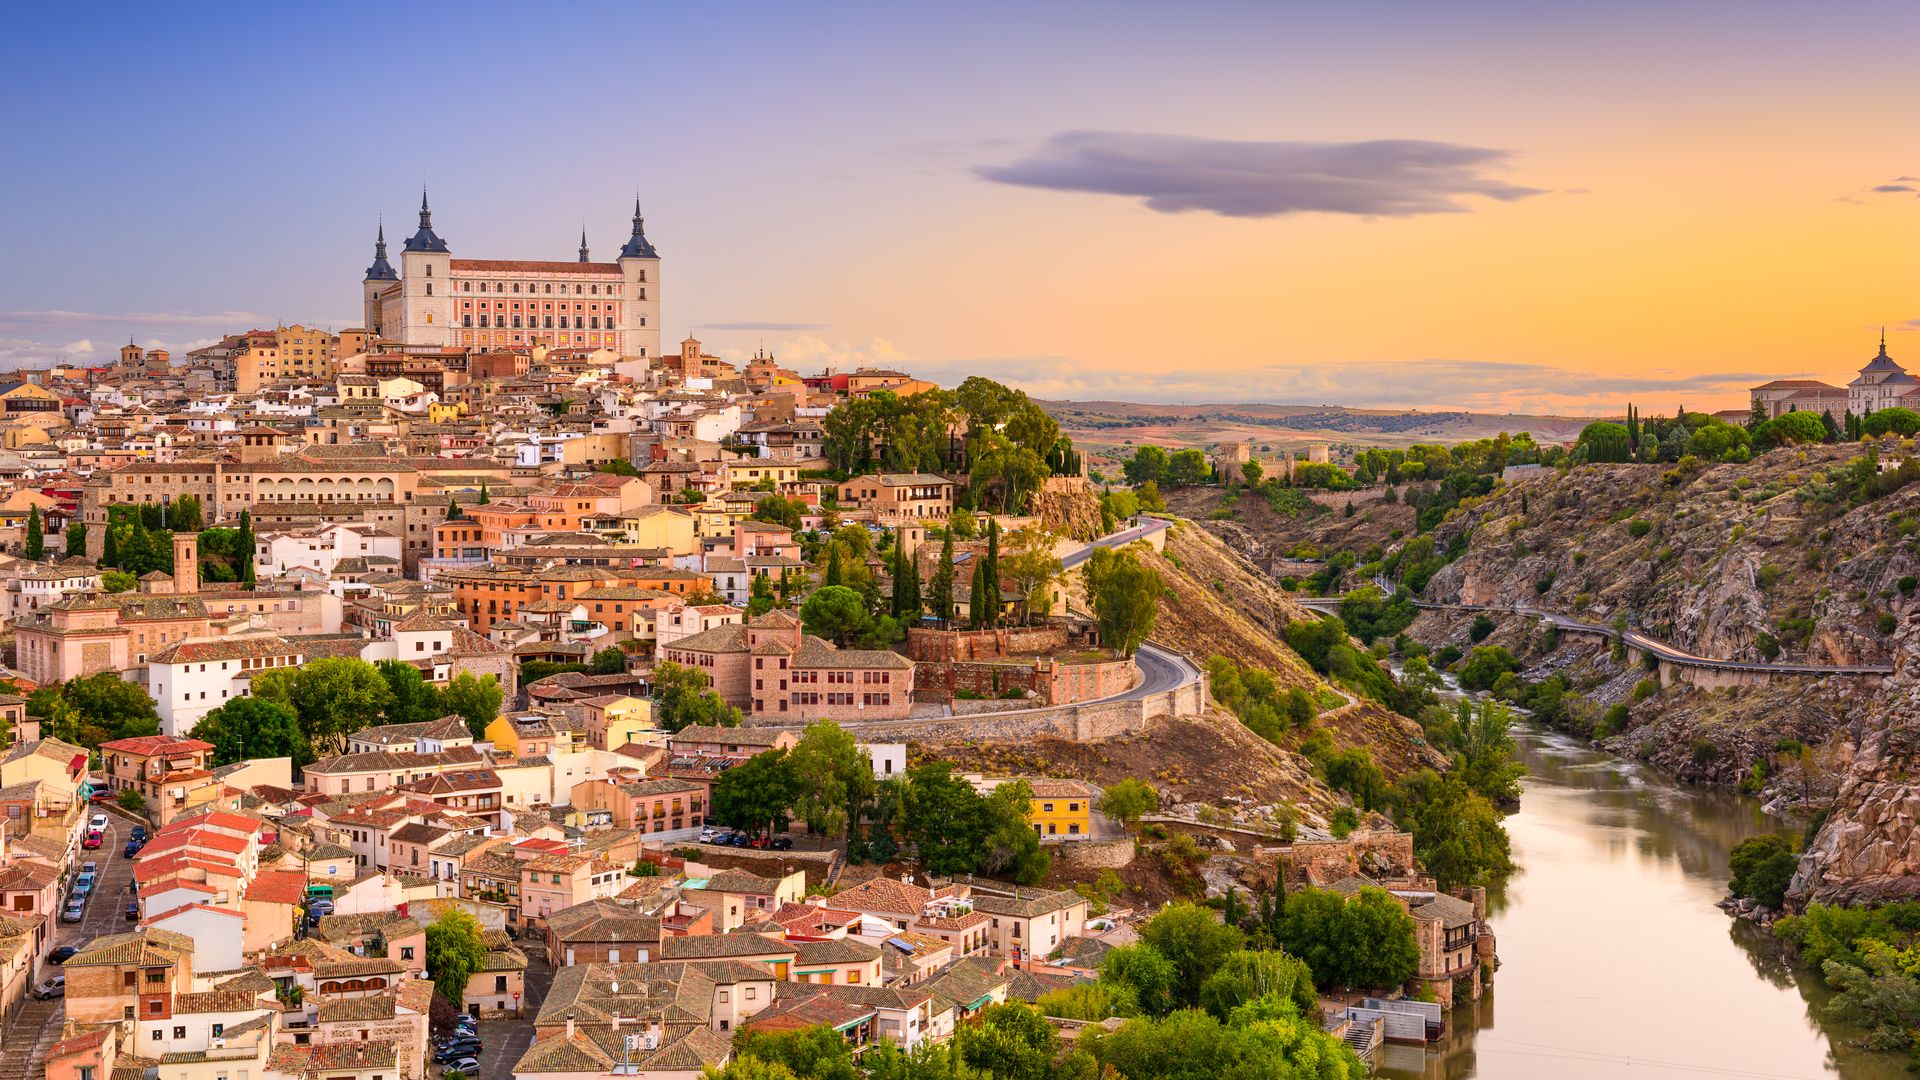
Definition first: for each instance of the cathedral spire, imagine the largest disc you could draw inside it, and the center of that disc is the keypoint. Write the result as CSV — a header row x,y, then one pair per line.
x,y
638,246
425,239
583,244
381,270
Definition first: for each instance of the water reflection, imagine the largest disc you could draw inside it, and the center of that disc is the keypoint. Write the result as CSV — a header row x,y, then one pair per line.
x,y
1614,960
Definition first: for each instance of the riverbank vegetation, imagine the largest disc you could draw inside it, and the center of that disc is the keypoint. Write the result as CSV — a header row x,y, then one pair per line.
x,y
1871,958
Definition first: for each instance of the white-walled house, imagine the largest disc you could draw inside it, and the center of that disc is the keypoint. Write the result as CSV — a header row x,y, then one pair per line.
x,y
321,547
193,678
218,934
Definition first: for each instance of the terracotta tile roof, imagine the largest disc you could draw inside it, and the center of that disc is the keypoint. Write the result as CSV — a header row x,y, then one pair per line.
x,y
149,745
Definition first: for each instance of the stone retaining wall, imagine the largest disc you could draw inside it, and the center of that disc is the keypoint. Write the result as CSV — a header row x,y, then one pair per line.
x,y
1080,723
1093,854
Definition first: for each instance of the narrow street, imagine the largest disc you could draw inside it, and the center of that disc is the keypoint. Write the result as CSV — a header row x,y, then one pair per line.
x,y
506,1040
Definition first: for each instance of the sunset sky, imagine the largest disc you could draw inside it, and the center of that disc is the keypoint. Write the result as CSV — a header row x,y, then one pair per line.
x,y
1498,206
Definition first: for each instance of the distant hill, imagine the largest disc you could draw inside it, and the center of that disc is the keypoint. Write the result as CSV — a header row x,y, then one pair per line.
x,y
1105,427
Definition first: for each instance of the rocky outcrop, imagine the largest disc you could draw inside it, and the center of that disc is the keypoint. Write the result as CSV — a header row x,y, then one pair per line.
x,y
1071,512
1868,850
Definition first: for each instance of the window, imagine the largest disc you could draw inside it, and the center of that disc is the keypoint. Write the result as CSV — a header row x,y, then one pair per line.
x,y
158,1035
406,951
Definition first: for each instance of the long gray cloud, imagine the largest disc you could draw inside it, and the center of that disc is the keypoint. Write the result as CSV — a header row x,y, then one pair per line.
x,y
1176,173
1479,385
761,326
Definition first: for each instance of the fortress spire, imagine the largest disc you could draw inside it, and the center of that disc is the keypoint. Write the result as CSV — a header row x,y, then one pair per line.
x,y
583,244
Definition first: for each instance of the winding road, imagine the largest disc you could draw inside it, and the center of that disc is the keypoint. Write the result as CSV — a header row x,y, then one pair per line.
x,y
1634,639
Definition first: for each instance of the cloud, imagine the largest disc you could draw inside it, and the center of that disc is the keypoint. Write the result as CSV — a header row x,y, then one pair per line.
x,y
761,326
810,354
1177,173
1885,189
1476,385
58,317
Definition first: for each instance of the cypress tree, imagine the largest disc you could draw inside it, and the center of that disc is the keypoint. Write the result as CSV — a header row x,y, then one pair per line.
x,y
36,538
942,594
909,579
110,548
484,497
992,570
453,508
834,575
243,548
978,603
1633,428
76,538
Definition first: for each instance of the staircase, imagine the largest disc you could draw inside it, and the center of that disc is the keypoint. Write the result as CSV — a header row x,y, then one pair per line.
x,y
1362,1035
35,1028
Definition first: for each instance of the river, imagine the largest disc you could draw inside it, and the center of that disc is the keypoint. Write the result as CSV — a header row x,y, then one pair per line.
x,y
1614,960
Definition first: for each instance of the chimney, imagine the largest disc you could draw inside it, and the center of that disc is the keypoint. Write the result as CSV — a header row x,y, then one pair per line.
x,y
616,1019
569,1025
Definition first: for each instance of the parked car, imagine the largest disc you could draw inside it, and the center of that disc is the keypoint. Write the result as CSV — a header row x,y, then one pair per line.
x,y
457,1052
75,910
139,833
722,838
466,1066
98,823
782,843
93,840
83,885
133,848
133,910
100,795
707,834
90,868
741,840
59,955
460,1038
465,1020
52,988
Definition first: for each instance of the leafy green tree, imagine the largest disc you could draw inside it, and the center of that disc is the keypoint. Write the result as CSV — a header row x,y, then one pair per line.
x,y
411,698
1252,472
1082,1001
1485,756
334,697
1149,464
1125,595
760,598
130,799
1485,665
1009,1041
779,510
1033,568
456,949
118,581
1762,867
835,776
1194,942
1265,1039
836,613
453,508
684,698
1789,429
1893,421
1246,975
1457,833
1013,848
756,795
1125,801
1603,441
250,728
610,660
945,819
816,1053
76,534
99,708
1139,980
1365,940
473,699
36,543
1186,468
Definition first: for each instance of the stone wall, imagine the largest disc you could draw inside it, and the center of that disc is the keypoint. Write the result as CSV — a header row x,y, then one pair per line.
x,y
1112,853
1048,682
999,644
1080,723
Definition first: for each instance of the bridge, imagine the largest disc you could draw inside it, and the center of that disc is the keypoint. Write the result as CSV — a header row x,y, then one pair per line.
x,y
1675,663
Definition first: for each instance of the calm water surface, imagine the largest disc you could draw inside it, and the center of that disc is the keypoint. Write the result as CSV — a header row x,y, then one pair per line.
x,y
1615,962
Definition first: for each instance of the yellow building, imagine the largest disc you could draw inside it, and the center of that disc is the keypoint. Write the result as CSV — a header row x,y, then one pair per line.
x,y
748,472
614,720
1061,809
660,527
441,412
592,451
